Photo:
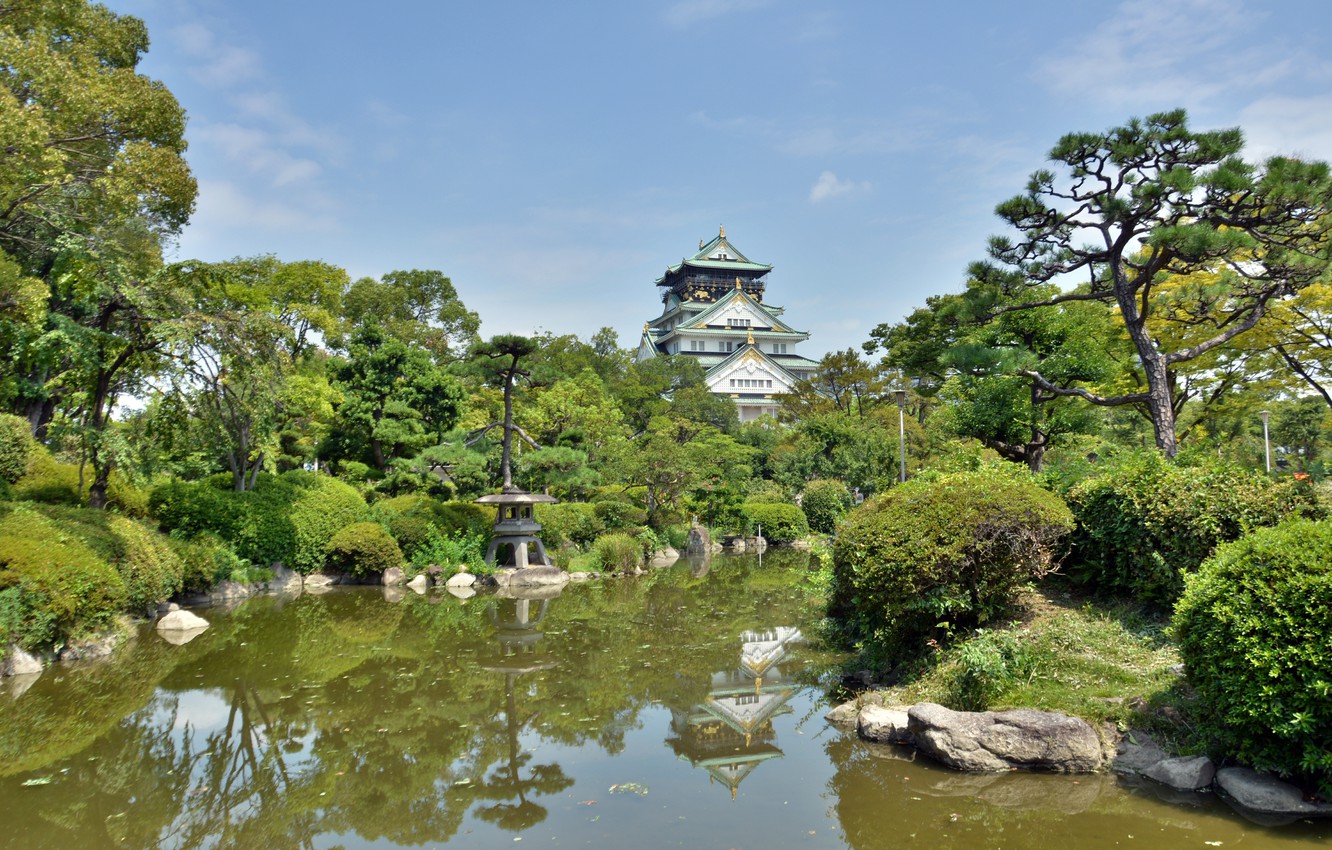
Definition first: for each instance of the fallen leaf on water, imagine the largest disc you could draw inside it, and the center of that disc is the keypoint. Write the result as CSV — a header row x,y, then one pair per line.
x,y
588,803
40,780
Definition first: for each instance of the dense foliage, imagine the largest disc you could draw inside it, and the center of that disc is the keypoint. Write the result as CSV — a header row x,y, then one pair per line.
x,y
363,548
942,553
825,502
1253,628
1144,522
779,523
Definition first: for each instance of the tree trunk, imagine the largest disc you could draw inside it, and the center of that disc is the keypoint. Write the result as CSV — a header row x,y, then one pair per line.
x,y
1160,410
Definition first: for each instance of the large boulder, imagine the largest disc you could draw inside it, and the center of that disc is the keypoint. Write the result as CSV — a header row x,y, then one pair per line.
x,y
537,576
20,662
181,620
1136,753
460,580
1004,740
699,542
1263,794
884,724
664,557
1183,773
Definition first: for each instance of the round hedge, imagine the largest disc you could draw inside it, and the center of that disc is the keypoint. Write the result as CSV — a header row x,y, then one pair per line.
x,y
953,548
780,523
1253,627
363,548
16,447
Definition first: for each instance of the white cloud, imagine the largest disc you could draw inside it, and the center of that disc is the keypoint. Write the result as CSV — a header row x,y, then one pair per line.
x,y
1287,125
1159,52
226,209
256,150
216,64
829,185
686,13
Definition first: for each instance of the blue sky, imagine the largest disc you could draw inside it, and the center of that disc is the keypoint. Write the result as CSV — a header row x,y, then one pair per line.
x,y
554,158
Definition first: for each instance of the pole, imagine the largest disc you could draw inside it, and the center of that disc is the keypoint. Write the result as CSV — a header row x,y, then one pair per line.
x,y
901,433
1267,443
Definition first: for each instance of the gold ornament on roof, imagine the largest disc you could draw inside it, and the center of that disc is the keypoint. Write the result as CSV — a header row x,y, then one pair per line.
x,y
750,339
721,231
645,327
737,283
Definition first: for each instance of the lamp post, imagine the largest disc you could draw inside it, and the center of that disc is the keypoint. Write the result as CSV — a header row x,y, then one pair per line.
x,y
900,395
1267,444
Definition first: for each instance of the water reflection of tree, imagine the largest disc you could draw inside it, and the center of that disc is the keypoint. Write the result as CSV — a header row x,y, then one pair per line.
x,y
345,715
517,624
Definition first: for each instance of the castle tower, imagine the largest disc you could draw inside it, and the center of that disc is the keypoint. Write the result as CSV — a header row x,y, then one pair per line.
x,y
713,310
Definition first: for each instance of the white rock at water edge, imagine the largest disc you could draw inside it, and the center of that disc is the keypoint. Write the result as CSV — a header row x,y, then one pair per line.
x,y
181,621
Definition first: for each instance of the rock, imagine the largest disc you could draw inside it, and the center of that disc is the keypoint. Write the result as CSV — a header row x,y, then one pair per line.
x,y
664,557
460,592
167,608
320,580
699,541
461,580
800,545
735,545
501,578
98,646
20,662
1136,753
1183,774
583,576
1176,669
181,621
1002,740
394,594
756,544
419,584
177,637
285,580
539,576
843,715
1266,795
226,590
17,685
884,724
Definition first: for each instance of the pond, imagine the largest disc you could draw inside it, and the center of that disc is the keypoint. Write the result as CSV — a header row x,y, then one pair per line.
x,y
683,708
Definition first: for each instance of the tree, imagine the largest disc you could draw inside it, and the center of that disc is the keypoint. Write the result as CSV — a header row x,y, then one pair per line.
x,y
396,400
498,358
1152,199
419,307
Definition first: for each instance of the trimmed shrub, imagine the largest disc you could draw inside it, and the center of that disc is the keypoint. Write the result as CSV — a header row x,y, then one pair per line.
x,y
322,506
1144,522
204,560
48,481
619,515
618,552
55,586
149,566
1253,627
825,502
363,548
287,519
16,447
577,523
949,551
780,523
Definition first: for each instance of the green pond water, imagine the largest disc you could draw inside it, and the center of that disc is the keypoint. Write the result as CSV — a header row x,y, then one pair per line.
x,y
680,709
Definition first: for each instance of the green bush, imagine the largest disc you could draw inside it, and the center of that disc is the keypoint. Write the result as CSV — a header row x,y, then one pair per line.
x,y
578,523
16,447
1144,522
459,549
56,587
287,519
145,560
1253,627
618,552
780,523
48,481
322,506
948,550
618,514
363,548
825,502
411,531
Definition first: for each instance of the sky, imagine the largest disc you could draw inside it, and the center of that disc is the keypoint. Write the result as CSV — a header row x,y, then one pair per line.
x,y
554,158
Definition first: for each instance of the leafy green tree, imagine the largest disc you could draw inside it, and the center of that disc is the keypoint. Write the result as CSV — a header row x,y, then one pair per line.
x,y
419,307
499,360
93,172
1152,199
396,400
671,386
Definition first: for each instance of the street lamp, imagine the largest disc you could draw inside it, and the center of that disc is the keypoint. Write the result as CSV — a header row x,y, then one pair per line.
x,y
900,395
1267,444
